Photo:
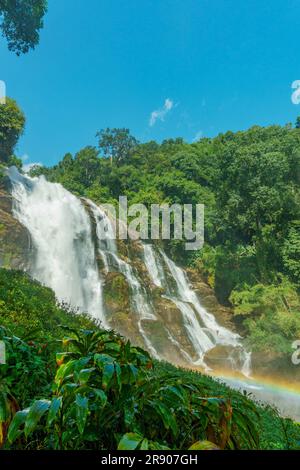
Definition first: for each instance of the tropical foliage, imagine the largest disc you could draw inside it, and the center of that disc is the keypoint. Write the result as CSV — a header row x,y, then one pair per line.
x,y
80,387
30,309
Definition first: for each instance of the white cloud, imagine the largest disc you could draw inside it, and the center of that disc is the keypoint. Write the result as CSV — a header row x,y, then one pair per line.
x,y
159,114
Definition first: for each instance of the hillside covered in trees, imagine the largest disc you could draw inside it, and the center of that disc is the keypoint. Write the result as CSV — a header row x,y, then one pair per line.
x,y
249,183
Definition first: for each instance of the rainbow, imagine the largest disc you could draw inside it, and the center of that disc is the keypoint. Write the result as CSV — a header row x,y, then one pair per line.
x,y
282,394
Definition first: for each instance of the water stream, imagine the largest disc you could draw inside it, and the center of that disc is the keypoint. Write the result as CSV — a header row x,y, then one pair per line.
x,y
62,229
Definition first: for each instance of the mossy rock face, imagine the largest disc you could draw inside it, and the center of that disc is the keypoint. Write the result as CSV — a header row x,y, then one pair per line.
x,y
116,293
168,312
122,246
131,250
170,316
219,357
157,293
125,323
135,248
16,250
159,338
195,275
142,271
207,298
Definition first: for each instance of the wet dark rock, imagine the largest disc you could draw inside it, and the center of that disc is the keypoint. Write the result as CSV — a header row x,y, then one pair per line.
x,y
16,249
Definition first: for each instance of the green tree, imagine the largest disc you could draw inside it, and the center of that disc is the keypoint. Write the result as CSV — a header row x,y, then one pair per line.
x,y
87,163
270,315
291,252
116,143
21,23
12,122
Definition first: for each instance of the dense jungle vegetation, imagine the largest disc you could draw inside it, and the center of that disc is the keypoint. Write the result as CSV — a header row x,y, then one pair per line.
x,y
68,384
249,183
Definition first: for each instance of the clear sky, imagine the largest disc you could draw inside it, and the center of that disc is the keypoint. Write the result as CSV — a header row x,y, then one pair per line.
x,y
163,68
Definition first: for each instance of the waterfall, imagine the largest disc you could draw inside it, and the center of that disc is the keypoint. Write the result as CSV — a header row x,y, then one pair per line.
x,y
201,326
220,334
154,268
106,243
212,333
63,230
107,248
61,233
139,301
246,368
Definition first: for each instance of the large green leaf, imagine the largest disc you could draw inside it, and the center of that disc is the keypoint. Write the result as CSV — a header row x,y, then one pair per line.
x,y
14,428
174,394
62,356
153,445
129,374
129,413
53,410
167,416
102,359
64,370
107,375
36,411
112,347
133,373
81,411
130,441
84,375
100,395
145,444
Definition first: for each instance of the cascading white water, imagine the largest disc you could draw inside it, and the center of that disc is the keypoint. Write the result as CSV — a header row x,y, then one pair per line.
x,y
61,233
108,251
139,302
60,227
107,247
219,335
246,368
154,268
201,326
186,294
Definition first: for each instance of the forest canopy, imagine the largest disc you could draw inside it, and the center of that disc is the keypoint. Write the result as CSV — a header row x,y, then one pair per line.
x,y
249,184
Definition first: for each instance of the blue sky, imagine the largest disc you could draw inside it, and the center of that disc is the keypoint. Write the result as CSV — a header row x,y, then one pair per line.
x,y
200,66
